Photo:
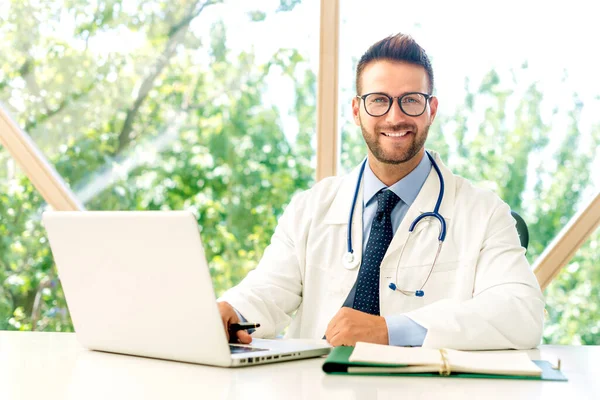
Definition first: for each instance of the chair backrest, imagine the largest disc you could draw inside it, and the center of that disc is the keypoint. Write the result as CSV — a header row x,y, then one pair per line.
x,y
521,229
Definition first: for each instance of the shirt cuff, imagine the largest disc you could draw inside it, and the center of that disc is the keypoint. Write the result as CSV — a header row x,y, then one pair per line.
x,y
403,331
240,316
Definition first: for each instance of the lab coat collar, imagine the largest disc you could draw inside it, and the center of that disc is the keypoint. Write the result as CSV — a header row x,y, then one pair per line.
x,y
339,210
424,202
407,188
427,197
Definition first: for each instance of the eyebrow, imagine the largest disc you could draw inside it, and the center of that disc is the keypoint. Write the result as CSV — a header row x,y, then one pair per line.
x,y
402,94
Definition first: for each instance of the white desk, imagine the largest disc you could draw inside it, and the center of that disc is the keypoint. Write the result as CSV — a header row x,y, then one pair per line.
x,y
52,366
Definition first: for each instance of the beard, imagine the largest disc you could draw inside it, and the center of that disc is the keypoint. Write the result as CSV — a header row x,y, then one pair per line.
x,y
398,155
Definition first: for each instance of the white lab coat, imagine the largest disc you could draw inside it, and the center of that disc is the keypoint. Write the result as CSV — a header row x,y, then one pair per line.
x,y
482,293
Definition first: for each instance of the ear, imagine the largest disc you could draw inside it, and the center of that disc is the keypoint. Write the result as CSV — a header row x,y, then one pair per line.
x,y
356,110
433,107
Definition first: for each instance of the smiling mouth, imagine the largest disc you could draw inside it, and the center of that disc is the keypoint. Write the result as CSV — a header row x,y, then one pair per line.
x,y
396,134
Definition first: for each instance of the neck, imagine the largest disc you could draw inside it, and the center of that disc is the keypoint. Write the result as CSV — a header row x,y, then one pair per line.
x,y
392,173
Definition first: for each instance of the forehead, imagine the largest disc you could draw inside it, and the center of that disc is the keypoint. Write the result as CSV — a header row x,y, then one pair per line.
x,y
394,78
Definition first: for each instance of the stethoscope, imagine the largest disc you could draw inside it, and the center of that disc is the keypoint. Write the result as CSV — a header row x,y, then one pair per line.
x,y
350,261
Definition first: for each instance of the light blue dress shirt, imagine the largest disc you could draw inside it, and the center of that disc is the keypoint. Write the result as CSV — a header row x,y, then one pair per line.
x,y
402,331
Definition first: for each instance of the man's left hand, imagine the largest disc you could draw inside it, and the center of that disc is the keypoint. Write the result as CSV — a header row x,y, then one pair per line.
x,y
349,326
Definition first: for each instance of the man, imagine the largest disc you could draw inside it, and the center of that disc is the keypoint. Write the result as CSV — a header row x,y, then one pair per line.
x,y
479,294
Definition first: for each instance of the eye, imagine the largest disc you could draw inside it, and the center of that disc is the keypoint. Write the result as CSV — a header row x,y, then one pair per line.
x,y
378,99
412,99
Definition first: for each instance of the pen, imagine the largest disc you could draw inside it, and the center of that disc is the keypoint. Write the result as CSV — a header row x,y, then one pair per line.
x,y
242,326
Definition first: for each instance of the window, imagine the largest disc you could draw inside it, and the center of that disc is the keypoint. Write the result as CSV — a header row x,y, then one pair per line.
x,y
144,105
210,106
572,299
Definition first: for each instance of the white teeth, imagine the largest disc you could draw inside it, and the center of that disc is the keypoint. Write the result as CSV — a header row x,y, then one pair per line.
x,y
398,134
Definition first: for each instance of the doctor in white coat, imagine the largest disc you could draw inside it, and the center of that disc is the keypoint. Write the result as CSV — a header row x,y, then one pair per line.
x,y
479,294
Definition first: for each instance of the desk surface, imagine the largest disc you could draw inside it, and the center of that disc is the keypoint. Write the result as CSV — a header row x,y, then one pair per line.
x,y
54,366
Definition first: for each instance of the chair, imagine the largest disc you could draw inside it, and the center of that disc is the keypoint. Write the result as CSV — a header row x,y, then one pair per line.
x,y
521,229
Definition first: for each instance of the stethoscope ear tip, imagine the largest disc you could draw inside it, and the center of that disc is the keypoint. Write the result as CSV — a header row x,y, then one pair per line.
x,y
419,293
392,286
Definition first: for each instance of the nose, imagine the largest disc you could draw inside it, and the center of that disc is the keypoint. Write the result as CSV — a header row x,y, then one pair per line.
x,y
395,115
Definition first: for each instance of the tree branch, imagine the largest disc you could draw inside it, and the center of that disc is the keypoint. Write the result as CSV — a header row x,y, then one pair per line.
x,y
27,72
176,34
37,302
185,22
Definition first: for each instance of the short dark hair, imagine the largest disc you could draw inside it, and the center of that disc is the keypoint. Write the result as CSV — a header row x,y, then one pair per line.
x,y
399,47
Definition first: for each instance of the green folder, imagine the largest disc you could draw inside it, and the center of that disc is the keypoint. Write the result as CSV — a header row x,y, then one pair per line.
x,y
337,363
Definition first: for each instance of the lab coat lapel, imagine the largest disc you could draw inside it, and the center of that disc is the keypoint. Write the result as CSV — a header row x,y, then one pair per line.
x,y
337,217
340,206
425,202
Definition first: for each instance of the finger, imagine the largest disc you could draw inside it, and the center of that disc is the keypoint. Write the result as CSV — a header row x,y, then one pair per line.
x,y
333,323
227,320
328,335
337,322
337,339
244,337
343,339
331,333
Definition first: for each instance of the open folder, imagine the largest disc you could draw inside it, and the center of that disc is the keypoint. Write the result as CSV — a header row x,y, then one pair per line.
x,y
376,359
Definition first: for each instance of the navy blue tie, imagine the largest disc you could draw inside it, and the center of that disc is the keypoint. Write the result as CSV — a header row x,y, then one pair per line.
x,y
367,285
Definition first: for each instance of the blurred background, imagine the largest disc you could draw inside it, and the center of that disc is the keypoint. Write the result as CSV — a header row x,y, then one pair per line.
x,y
211,106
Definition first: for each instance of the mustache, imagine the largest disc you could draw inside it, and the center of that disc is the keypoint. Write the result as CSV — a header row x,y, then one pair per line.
x,y
398,127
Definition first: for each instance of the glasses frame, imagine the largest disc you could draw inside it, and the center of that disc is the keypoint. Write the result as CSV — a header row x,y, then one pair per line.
x,y
391,103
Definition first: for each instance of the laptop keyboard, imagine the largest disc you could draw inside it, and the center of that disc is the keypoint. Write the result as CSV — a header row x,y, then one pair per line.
x,y
236,348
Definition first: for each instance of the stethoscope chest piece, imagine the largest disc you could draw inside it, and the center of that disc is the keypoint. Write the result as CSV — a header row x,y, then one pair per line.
x,y
350,261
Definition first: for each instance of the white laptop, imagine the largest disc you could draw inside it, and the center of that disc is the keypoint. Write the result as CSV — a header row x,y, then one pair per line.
x,y
137,282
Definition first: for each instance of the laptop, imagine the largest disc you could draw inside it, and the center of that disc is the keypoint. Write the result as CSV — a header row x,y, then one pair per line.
x,y
138,283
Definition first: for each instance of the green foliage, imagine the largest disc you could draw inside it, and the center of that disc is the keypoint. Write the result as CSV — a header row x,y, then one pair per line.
x,y
288,5
257,16
26,265
171,120
201,138
572,299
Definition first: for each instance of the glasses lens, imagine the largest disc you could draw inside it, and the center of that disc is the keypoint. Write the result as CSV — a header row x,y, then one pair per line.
x,y
413,104
377,104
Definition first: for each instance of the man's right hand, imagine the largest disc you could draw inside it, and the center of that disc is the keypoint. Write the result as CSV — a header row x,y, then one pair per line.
x,y
229,316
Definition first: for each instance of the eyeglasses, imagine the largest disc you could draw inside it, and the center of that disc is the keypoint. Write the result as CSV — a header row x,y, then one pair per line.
x,y
412,104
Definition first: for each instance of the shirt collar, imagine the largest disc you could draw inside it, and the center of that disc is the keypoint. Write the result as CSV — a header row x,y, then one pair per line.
x,y
406,188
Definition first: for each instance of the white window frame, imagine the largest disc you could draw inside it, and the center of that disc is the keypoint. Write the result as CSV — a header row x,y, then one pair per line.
x,y
570,239
40,172
327,92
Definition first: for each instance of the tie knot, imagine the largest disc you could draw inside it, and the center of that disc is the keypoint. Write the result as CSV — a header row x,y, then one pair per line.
x,y
386,201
